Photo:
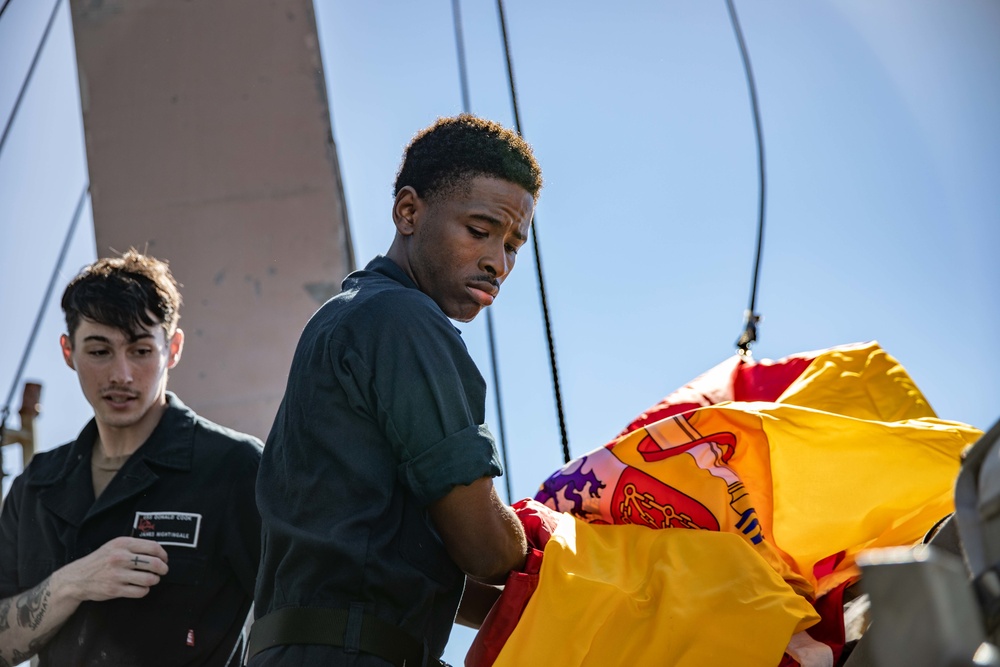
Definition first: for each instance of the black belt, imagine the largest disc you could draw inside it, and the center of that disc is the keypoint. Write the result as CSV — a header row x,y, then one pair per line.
x,y
352,630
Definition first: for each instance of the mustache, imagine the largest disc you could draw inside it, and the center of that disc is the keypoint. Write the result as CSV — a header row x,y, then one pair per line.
x,y
487,278
119,391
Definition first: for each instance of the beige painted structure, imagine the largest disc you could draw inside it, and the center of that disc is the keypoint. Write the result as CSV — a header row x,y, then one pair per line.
x,y
209,145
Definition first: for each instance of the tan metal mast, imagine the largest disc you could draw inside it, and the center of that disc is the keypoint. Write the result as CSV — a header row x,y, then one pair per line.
x,y
31,400
209,145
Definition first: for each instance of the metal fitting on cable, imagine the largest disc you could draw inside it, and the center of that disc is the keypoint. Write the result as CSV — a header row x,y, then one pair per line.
x,y
749,335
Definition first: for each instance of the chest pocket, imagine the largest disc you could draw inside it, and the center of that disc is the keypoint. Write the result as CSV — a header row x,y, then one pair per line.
x,y
186,569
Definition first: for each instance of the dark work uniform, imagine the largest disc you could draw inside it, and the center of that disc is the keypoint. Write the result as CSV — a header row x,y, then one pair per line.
x,y
383,414
190,488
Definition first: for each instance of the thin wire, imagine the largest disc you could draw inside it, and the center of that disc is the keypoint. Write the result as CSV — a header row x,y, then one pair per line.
x,y
5,412
463,77
466,106
537,249
749,335
496,381
27,78
4,7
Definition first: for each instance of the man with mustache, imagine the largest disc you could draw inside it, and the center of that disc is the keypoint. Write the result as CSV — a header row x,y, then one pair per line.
x,y
137,544
375,488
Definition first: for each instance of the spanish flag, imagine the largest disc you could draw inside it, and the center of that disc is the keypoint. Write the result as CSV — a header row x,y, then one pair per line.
x,y
805,462
811,459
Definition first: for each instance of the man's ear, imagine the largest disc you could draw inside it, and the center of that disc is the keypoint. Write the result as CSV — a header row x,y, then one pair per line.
x,y
176,347
67,350
406,210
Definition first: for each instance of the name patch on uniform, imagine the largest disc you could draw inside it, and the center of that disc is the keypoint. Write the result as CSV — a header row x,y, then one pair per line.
x,y
179,529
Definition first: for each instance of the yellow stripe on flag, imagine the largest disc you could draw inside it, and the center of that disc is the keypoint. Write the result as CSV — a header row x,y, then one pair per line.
x,y
629,595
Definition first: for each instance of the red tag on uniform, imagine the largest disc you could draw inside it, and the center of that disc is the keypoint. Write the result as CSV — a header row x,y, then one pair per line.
x,y
190,639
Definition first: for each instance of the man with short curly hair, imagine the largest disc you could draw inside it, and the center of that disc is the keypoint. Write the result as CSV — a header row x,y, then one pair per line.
x,y
376,486
136,544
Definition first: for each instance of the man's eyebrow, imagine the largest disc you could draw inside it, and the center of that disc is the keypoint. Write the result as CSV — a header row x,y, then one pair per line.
x,y
133,337
494,222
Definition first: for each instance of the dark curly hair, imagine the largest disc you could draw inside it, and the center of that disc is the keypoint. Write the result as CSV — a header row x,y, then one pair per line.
x,y
128,293
453,150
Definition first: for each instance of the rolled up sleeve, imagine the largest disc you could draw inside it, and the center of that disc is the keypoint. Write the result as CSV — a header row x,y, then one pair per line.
x,y
459,459
415,376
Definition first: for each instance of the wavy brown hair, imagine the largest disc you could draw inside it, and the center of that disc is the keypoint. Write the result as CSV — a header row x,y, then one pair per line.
x,y
129,293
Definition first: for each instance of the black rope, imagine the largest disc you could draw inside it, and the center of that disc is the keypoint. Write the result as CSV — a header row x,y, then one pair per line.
x,y
463,78
27,78
538,253
5,412
510,67
749,335
4,7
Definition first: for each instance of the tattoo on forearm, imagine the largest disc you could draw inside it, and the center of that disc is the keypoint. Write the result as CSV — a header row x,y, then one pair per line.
x,y
31,606
16,657
41,594
34,646
4,617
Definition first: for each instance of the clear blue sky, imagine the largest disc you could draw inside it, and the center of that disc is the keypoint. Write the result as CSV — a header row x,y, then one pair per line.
x,y
883,201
